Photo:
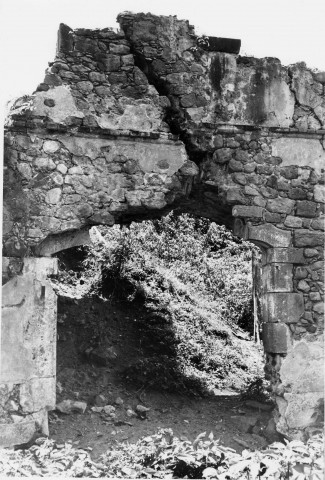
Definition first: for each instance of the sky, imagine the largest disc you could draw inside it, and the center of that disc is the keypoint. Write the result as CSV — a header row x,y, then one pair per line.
x,y
291,30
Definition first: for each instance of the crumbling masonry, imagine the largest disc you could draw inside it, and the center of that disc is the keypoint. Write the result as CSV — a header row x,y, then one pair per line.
x,y
129,125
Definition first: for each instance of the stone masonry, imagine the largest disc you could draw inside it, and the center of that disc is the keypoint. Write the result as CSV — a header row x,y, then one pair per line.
x,y
128,125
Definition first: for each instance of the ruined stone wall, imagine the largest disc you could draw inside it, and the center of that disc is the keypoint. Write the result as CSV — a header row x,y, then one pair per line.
x,y
129,124
28,348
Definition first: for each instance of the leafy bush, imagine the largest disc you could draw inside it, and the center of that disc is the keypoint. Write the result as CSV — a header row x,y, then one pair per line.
x,y
195,280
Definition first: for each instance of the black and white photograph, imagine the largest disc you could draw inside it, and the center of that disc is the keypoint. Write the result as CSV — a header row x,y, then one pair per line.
x,y
163,204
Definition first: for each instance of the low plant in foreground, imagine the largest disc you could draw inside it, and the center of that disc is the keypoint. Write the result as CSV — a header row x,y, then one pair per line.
x,y
164,456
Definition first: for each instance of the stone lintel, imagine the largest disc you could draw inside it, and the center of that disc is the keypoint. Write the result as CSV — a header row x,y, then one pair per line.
x,y
284,255
277,277
276,337
247,212
267,235
282,307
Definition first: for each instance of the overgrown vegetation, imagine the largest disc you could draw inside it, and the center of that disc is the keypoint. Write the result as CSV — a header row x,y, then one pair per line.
x,y
165,456
194,279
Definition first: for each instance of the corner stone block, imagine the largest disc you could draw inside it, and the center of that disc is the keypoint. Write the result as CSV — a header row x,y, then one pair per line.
x,y
40,267
239,228
285,255
267,235
277,277
282,307
16,433
276,337
38,393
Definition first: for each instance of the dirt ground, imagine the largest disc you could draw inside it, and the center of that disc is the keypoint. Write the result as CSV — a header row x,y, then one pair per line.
x,y
90,364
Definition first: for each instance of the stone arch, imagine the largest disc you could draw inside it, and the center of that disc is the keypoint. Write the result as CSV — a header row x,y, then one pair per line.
x,y
55,243
110,136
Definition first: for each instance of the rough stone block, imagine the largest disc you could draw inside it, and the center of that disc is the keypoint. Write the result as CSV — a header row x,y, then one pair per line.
x,y
268,235
308,238
318,223
285,255
304,286
282,307
319,308
276,337
222,155
235,166
306,208
250,212
280,205
235,195
277,277
319,193
301,272
272,217
293,222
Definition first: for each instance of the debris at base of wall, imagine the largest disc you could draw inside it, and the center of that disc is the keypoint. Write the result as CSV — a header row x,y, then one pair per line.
x,y
69,406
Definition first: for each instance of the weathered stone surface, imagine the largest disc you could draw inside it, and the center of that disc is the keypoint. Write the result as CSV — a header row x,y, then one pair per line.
x,y
16,433
310,252
293,222
282,307
285,255
269,236
303,367
276,337
307,238
301,272
38,393
303,286
53,196
235,195
306,209
51,146
250,212
299,152
222,155
280,205
29,352
319,308
277,277
319,193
